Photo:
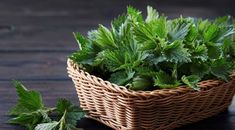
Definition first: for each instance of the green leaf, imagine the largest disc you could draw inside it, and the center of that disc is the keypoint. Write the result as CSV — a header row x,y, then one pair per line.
x,y
211,32
117,22
87,55
200,69
25,118
124,59
29,120
158,43
134,14
83,57
81,40
191,81
121,78
146,71
192,34
175,52
222,20
144,33
28,100
160,27
140,83
214,52
18,109
200,52
221,69
178,29
70,112
62,105
104,38
149,32
163,80
47,126
152,14
31,113
225,32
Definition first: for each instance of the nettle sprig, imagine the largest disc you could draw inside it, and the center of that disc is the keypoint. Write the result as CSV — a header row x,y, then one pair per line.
x,y
31,112
157,52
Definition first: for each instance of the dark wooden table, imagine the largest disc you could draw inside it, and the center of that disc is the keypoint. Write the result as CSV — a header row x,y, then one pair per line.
x,y
36,38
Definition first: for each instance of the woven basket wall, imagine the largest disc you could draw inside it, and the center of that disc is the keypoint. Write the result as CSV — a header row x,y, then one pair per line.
x,y
163,109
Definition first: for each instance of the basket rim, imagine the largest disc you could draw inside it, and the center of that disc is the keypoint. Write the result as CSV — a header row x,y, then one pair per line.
x,y
203,85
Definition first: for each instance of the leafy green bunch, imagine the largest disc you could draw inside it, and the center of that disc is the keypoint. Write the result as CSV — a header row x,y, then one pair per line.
x,y
31,112
157,52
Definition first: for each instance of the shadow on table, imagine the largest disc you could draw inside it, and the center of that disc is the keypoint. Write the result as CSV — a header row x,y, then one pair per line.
x,y
223,121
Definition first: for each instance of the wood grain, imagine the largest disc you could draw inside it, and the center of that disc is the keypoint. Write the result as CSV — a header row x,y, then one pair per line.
x,y
30,65
36,38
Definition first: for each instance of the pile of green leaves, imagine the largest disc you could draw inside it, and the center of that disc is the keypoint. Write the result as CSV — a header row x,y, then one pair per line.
x,y
157,52
31,112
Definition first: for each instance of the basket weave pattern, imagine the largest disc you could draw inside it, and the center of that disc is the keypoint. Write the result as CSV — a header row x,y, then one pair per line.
x,y
163,109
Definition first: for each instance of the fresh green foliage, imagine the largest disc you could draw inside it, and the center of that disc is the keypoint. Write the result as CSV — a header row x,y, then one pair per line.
x,y
163,80
157,52
191,81
31,112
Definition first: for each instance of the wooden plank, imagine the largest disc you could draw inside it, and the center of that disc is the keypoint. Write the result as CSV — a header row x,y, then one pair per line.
x,y
41,34
51,91
52,26
33,66
64,8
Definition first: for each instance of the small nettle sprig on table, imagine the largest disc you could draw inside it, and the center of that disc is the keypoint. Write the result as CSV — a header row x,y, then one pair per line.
x,y
31,112
157,52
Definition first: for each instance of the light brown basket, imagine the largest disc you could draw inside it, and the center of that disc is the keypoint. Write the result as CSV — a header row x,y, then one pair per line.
x,y
163,109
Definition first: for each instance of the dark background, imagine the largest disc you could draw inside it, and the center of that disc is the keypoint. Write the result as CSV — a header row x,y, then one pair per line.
x,y
36,38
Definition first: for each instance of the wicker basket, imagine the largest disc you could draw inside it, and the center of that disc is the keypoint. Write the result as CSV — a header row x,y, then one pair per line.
x,y
163,109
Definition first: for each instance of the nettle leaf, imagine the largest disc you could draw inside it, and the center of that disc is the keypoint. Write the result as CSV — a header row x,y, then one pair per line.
x,y
199,69
146,71
87,55
28,100
221,69
229,48
202,25
47,126
175,52
200,52
152,14
117,22
214,51
144,33
163,80
225,32
124,35
222,20
114,59
211,32
121,78
149,32
159,27
81,40
191,81
140,83
30,120
134,14
19,108
178,29
70,113
104,38
158,43
192,33
65,105
31,113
